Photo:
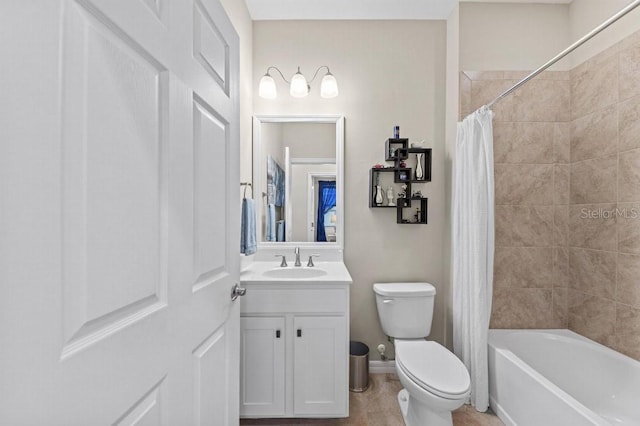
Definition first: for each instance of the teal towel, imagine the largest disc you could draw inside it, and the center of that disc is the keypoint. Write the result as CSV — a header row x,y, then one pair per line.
x,y
248,241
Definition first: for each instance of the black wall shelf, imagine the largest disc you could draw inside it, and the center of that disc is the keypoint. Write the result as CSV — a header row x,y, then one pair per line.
x,y
412,165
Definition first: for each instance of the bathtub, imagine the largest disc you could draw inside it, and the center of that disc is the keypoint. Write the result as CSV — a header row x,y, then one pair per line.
x,y
559,378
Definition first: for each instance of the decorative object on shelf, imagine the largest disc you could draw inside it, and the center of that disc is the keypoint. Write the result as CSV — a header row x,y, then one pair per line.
x,y
396,132
390,197
417,194
378,197
403,176
417,145
298,86
419,169
403,165
403,193
378,166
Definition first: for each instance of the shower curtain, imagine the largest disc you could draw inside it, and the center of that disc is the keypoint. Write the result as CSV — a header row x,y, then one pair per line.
x,y
473,248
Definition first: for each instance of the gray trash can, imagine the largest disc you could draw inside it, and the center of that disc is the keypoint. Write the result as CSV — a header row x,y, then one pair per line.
x,y
358,366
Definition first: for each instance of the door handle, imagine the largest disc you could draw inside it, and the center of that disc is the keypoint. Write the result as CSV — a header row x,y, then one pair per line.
x,y
237,291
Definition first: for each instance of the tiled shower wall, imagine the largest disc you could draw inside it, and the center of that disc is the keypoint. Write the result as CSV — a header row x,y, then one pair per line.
x,y
567,181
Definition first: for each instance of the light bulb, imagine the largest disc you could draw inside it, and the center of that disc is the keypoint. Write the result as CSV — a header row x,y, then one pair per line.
x,y
299,87
329,86
267,88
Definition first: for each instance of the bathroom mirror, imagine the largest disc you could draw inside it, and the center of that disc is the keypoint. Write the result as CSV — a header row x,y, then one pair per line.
x,y
298,180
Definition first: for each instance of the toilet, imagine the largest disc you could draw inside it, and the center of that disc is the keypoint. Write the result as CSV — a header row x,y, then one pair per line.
x,y
435,381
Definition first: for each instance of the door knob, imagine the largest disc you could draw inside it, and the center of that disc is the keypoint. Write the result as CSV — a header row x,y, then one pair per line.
x,y
237,291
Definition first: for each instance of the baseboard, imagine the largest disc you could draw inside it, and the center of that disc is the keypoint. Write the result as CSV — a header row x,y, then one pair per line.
x,y
382,367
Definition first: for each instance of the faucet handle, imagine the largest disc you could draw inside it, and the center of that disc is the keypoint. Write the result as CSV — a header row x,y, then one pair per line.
x,y
283,264
310,262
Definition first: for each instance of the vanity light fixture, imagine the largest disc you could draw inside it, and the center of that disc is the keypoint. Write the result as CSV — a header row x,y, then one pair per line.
x,y
298,86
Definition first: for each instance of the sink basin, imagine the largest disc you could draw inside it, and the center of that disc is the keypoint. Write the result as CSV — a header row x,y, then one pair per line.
x,y
295,273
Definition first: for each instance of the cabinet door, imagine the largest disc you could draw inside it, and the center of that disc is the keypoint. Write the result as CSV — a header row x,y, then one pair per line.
x,y
262,366
320,366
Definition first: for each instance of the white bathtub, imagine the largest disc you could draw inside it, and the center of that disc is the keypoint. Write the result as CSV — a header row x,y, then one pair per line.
x,y
559,378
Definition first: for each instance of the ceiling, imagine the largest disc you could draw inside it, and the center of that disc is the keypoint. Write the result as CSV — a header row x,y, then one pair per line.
x,y
362,9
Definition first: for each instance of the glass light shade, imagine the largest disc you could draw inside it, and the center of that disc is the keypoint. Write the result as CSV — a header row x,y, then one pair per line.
x,y
267,88
329,86
299,87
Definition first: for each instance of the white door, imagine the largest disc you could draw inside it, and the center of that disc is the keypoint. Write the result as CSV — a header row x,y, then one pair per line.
x,y
119,223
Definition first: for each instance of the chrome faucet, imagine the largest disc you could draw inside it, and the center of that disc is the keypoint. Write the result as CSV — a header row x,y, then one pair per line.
x,y
297,252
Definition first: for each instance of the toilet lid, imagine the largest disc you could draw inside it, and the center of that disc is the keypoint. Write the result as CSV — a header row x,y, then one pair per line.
x,y
433,367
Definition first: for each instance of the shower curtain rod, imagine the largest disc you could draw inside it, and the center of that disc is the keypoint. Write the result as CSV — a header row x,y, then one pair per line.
x,y
568,50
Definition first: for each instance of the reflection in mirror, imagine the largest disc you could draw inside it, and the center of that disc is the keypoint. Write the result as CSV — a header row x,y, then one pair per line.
x,y
297,173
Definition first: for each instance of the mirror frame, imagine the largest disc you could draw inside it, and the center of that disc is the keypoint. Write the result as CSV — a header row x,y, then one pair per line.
x,y
256,145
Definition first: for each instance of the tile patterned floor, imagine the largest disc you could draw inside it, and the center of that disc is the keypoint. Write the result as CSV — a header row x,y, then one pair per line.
x,y
377,406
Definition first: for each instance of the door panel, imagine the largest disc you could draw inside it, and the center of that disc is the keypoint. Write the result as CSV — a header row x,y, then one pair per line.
x,y
262,370
319,363
114,181
119,209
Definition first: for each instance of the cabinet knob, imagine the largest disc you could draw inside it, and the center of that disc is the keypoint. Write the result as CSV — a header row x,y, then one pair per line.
x,y
299,332
277,334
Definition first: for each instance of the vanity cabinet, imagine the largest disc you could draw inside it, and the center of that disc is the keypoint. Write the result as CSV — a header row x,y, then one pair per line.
x,y
294,350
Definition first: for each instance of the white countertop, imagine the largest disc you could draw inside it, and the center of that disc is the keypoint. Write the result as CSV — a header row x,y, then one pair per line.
x,y
336,273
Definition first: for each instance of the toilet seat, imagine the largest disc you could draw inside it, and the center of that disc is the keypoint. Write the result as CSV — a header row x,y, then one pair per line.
x,y
433,367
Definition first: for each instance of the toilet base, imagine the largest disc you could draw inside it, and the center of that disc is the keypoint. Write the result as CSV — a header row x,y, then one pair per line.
x,y
417,414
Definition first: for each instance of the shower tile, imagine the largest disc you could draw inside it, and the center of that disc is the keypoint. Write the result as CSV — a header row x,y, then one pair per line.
x,y
484,91
593,272
524,226
561,142
523,142
484,75
628,285
560,307
561,174
560,267
523,267
628,331
522,308
593,226
593,317
561,225
542,100
629,124
628,224
629,176
517,75
594,181
595,135
524,184
630,41
545,75
630,72
594,84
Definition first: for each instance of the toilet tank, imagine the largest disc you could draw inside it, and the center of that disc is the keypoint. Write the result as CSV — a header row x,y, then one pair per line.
x,y
405,309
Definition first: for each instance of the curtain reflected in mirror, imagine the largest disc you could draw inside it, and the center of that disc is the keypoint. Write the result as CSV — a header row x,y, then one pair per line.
x,y
326,203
